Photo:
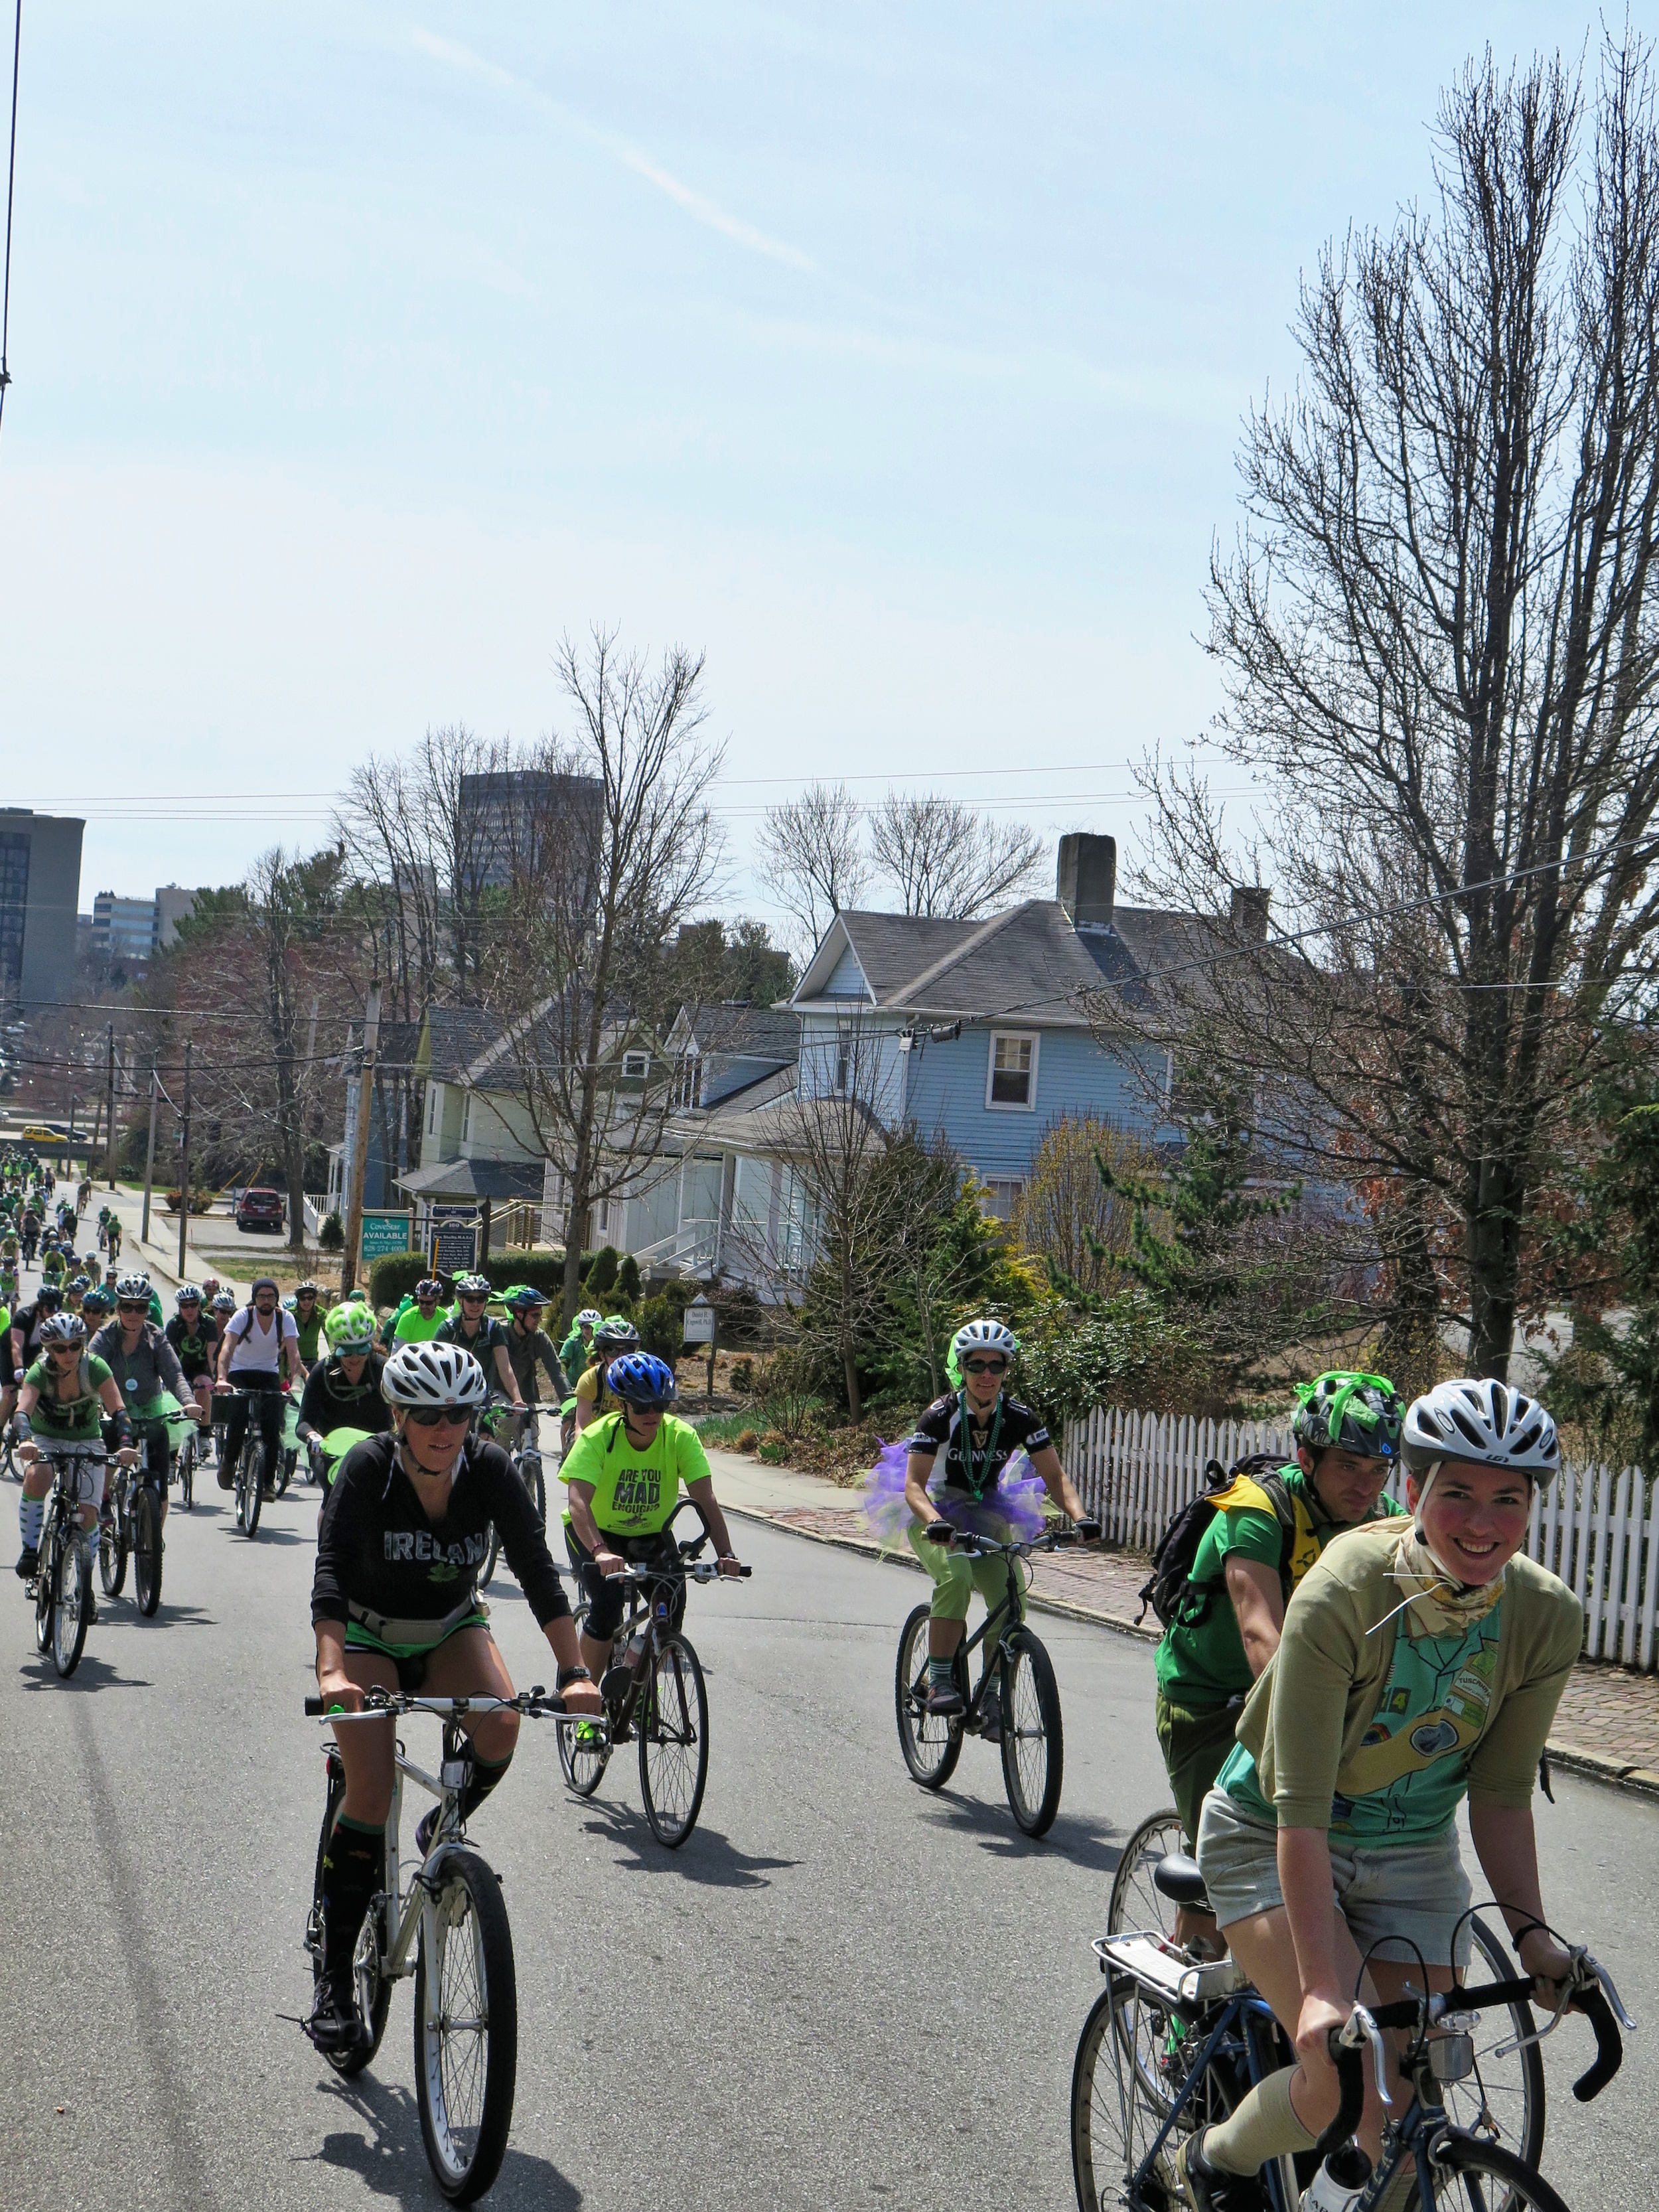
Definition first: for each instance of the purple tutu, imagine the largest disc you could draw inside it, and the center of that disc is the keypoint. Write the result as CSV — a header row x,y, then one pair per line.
x,y
1014,1510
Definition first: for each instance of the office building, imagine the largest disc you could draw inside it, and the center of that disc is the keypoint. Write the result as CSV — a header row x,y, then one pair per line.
x,y
521,823
39,893
138,928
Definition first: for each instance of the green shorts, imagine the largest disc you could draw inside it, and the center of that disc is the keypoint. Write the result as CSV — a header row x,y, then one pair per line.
x,y
1195,1741
409,1659
957,1576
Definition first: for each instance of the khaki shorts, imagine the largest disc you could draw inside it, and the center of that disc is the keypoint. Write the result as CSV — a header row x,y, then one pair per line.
x,y
1403,1894
1195,1741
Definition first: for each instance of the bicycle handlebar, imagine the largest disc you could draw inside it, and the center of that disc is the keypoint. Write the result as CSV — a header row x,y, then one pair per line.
x,y
381,1704
946,1532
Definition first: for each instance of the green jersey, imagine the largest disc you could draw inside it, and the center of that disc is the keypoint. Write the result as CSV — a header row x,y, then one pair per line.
x,y
1201,1663
634,1492
74,1419
414,1327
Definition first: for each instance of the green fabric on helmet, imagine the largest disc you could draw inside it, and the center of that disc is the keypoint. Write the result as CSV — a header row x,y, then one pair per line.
x,y
348,1324
1345,1410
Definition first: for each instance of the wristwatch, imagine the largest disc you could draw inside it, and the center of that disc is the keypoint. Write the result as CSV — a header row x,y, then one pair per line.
x,y
567,1675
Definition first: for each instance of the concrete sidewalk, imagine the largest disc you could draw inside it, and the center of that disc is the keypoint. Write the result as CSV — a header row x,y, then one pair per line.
x,y
1606,1725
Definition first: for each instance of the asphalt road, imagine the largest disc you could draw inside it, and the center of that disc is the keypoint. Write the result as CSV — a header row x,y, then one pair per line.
x,y
842,1993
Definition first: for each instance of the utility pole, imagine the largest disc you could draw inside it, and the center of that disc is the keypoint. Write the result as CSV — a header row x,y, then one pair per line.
x,y
109,1120
354,1233
150,1156
184,1173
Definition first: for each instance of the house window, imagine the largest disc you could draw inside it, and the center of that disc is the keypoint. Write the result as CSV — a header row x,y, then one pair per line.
x,y
843,1056
1011,1082
688,1080
636,1066
432,1113
1000,1191
466,1119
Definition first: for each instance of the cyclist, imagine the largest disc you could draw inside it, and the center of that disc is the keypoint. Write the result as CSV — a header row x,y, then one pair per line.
x,y
394,1605
147,1372
82,1195
26,1325
75,1290
52,1264
1227,1626
343,1391
1420,1663
978,1430
614,1338
471,1328
195,1342
68,1392
623,1481
258,1347
573,1353
528,1347
28,1229
308,1321
419,1320
113,1238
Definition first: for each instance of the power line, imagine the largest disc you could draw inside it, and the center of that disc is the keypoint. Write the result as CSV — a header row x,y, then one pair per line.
x,y
11,183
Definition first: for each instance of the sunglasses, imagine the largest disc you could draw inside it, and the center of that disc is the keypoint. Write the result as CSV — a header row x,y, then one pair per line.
x,y
133,1305
985,1367
439,1416
473,1298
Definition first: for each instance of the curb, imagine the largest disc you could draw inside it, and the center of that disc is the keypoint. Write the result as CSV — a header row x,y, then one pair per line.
x,y
1588,1766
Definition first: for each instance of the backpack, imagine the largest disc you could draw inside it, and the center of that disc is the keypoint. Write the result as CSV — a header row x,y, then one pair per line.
x,y
1172,1594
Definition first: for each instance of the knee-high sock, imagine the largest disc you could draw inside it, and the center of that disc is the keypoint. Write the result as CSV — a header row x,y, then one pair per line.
x,y
31,1516
486,1773
353,1869
1263,2125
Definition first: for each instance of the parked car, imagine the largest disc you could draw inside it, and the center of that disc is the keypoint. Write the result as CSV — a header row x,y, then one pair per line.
x,y
259,1209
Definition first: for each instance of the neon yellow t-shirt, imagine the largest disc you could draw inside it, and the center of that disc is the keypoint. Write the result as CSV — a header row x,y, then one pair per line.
x,y
415,1328
635,1492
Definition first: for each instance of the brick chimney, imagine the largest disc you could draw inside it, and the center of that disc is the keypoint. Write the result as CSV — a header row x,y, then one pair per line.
x,y
1249,912
1086,879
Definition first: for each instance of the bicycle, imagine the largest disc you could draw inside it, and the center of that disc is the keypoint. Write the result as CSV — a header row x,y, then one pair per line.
x,y
1026,1723
1187,2038
251,1473
451,1917
526,1465
62,1588
133,1530
654,1687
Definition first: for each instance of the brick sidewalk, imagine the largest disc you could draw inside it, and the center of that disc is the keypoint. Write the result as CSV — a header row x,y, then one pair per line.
x,y
1607,1723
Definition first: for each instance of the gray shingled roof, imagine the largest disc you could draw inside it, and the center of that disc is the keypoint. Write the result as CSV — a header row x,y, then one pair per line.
x,y
460,1034
747,1032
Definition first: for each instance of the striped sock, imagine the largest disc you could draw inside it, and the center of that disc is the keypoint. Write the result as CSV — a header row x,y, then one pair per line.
x,y
31,1516
941,1673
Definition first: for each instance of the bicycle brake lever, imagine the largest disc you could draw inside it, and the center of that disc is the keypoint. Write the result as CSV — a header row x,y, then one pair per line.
x,y
1360,2022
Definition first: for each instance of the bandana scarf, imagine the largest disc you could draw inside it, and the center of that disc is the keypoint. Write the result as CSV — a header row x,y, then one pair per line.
x,y
1434,1604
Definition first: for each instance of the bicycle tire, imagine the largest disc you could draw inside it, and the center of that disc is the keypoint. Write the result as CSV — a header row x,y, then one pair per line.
x,y
188,1451
71,1588
465,2067
1135,1905
1113,2124
1502,2094
672,1721
371,1986
1033,1744
45,1579
492,1555
284,1473
147,1551
1462,2159
931,1746
581,1764
250,1485
538,1489
113,1549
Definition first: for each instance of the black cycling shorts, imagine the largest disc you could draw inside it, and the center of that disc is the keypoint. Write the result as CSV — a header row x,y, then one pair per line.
x,y
607,1598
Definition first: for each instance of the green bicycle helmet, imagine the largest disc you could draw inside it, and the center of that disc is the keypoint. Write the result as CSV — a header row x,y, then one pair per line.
x,y
1344,1411
349,1328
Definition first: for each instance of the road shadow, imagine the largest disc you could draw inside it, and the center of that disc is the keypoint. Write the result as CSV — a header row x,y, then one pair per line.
x,y
707,1856
123,1612
38,1673
391,2157
992,1827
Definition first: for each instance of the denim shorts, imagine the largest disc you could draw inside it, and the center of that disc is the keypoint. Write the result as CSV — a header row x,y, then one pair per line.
x,y
1414,1893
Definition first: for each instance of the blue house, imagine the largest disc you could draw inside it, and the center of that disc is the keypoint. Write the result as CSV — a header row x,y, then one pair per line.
x,y
986,1033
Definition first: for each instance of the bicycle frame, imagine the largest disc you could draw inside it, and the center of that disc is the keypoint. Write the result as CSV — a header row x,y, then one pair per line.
x,y
1002,1618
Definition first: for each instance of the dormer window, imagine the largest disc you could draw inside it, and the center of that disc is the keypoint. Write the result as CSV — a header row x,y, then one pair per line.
x,y
687,1081
635,1066
1011,1080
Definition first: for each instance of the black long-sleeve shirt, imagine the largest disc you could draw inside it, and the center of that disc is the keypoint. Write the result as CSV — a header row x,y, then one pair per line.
x,y
377,1549
330,1402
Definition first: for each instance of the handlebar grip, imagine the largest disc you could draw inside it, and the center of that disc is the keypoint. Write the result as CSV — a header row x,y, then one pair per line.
x,y
1609,2045
315,1708
940,1532
744,1573
1351,2073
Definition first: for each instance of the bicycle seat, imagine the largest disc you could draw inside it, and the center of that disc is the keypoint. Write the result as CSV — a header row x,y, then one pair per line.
x,y
1178,1877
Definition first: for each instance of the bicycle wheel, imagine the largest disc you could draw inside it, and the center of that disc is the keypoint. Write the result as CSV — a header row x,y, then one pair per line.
x,y
373,1992
113,1544
1136,1907
147,1551
284,1472
250,1485
492,1555
187,1471
1502,2101
673,1726
9,1462
466,2028
1033,1748
536,1483
72,1590
582,1763
1114,2122
932,1746
45,1582
1473,2175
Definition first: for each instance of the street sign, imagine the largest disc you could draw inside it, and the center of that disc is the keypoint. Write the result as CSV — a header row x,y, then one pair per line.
x,y
699,1322
452,1241
384,1232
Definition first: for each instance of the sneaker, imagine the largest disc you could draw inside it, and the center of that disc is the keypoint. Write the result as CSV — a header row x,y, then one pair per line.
x,y
945,1703
28,1563
586,1736
224,1473
1200,2180
990,1715
336,2024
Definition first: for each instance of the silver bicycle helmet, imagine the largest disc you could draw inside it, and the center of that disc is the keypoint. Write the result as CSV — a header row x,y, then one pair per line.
x,y
187,1295
132,1286
984,1336
473,1286
589,1317
434,1375
1484,1421
63,1328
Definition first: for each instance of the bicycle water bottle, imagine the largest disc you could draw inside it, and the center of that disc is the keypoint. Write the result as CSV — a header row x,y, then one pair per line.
x,y
1338,2184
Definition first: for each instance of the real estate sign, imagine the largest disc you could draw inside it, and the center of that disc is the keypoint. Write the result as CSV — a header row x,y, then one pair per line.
x,y
452,1240
384,1232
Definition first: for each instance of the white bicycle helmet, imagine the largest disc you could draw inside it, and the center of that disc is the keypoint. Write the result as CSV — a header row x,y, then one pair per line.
x,y
63,1328
984,1336
1484,1421
132,1286
589,1317
434,1375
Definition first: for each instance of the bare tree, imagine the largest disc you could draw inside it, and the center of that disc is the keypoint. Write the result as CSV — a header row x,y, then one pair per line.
x,y
810,855
943,858
582,944
1067,1211
1438,634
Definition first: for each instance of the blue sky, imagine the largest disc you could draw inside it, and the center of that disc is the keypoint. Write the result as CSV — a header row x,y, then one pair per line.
x,y
895,355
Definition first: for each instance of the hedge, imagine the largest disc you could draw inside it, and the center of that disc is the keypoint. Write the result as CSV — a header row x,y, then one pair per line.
x,y
395,1277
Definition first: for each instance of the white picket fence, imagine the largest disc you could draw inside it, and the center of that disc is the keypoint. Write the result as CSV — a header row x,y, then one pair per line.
x,y
1596,1527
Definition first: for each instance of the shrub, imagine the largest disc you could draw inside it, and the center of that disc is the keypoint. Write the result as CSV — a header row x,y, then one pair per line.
x,y
628,1276
774,1448
602,1275
1127,1353
747,1440
658,1325
743,1376
331,1237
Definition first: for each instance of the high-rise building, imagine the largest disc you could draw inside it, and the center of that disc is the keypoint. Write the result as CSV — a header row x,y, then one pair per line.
x,y
39,891
517,822
137,928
